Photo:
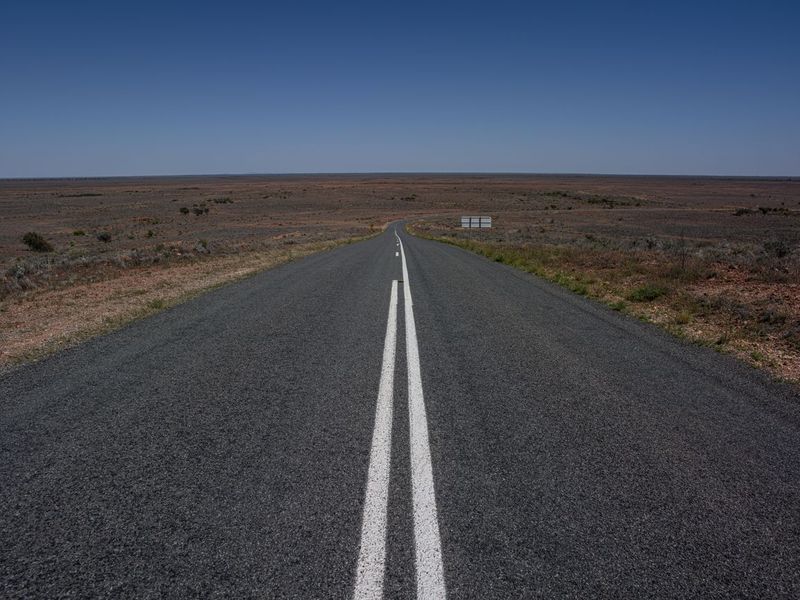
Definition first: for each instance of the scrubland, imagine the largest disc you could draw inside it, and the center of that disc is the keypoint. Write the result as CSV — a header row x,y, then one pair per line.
x,y
714,260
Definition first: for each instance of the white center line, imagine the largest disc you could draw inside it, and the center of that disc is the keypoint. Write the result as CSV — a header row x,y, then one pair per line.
x,y
372,554
428,546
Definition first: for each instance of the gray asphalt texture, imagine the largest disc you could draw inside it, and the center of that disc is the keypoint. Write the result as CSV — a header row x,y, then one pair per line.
x,y
220,448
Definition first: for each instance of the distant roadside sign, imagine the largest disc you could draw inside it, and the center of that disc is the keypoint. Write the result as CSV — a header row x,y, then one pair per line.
x,y
476,222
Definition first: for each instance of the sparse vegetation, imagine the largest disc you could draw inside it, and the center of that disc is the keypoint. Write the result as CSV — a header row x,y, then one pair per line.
x,y
647,293
605,201
734,293
104,236
155,256
763,210
36,242
736,276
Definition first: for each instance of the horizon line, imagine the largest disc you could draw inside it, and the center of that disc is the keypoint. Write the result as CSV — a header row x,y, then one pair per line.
x,y
399,173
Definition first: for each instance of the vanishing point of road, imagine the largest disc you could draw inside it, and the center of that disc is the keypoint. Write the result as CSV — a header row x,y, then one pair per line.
x,y
396,418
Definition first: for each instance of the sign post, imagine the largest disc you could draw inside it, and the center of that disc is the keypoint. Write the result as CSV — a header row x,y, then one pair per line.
x,y
476,222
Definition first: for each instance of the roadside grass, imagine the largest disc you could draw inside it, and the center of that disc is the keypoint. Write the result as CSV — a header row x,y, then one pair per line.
x,y
653,286
156,304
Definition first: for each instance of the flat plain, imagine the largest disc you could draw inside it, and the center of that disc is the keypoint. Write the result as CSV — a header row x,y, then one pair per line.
x,y
715,260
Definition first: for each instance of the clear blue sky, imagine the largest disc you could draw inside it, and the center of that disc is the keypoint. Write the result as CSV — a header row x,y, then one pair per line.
x,y
115,88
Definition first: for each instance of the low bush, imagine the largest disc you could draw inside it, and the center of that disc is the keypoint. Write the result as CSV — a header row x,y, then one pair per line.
x,y
36,242
777,248
647,293
104,237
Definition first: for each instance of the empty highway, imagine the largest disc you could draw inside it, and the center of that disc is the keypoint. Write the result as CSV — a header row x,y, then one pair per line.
x,y
396,418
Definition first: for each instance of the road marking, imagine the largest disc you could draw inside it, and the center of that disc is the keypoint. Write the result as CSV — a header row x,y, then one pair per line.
x,y
428,545
397,254
372,554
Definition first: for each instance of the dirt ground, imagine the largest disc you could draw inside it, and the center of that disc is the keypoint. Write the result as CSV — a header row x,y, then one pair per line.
x,y
726,249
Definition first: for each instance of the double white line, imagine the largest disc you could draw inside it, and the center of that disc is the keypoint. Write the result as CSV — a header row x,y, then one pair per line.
x,y
427,545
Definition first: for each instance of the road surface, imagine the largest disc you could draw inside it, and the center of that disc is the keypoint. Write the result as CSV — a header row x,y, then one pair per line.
x,y
399,421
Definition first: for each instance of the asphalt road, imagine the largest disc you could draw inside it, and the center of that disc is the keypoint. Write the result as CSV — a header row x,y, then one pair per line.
x,y
275,439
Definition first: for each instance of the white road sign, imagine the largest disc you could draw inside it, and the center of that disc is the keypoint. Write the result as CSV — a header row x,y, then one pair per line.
x,y
476,222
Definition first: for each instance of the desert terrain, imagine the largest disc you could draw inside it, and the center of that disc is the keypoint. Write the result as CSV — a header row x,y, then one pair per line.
x,y
714,260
